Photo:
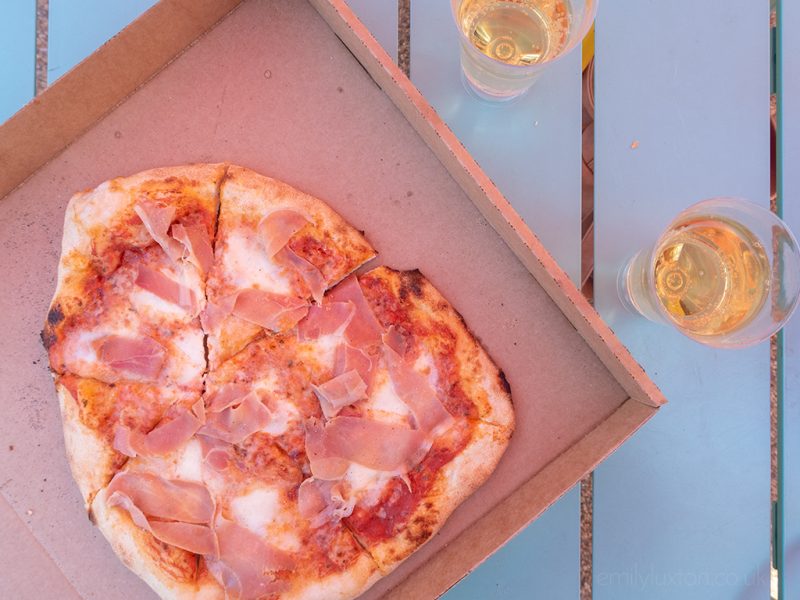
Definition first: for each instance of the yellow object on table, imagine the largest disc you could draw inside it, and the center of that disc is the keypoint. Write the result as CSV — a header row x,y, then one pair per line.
x,y
587,50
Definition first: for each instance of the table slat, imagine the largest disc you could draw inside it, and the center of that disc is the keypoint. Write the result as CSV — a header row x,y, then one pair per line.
x,y
532,150
789,424
682,105
380,17
532,564
79,27
17,55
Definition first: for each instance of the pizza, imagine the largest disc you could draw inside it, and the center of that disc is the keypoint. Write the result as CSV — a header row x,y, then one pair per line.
x,y
249,411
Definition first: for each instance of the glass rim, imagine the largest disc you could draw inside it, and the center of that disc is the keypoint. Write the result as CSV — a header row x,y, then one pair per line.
x,y
585,26
717,340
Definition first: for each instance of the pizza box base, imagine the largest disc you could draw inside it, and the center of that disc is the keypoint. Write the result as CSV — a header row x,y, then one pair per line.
x,y
273,87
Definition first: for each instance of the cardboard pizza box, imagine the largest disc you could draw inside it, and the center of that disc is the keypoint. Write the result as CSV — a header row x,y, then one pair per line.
x,y
299,91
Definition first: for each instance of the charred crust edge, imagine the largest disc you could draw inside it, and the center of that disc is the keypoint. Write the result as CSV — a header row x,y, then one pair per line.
x,y
501,379
411,283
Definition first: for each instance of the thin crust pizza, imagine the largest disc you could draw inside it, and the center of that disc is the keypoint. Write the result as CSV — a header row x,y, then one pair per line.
x,y
245,416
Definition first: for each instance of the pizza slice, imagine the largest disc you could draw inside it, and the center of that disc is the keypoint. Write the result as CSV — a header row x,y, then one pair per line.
x,y
415,414
101,418
123,332
215,519
131,280
277,251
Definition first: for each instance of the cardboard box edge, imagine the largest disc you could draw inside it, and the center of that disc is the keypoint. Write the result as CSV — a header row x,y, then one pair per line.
x,y
494,529
88,96
490,201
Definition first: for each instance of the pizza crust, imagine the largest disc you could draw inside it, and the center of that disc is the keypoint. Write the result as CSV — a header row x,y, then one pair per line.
x,y
454,483
151,560
482,381
138,551
90,458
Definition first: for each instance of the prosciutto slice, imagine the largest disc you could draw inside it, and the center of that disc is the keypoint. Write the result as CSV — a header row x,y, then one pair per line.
x,y
166,437
415,390
246,563
278,227
225,396
216,453
310,274
166,499
141,357
374,444
324,463
364,329
343,390
196,245
199,539
166,288
268,310
348,358
235,424
322,502
395,340
216,312
157,219
327,319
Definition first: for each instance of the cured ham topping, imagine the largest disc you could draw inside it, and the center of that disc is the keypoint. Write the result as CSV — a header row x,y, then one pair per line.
x,y
373,444
310,274
415,390
225,396
348,358
215,313
328,319
364,329
166,288
278,227
166,499
235,424
157,219
140,357
216,453
343,390
196,245
323,502
324,463
268,310
167,436
395,340
199,539
246,562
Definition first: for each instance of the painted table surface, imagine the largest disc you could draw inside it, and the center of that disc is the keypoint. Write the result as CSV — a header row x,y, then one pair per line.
x,y
683,509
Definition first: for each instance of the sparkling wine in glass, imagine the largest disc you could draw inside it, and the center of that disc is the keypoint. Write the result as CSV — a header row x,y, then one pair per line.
x,y
505,44
726,273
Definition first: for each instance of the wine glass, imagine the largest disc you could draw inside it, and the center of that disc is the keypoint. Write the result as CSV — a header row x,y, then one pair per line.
x,y
726,272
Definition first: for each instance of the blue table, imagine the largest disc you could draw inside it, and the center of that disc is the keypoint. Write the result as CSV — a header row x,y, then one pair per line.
x,y
684,509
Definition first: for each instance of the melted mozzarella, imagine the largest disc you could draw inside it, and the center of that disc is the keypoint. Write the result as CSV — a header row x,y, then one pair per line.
x,y
247,264
154,308
256,509
366,484
282,414
384,398
189,462
187,366
261,512
426,366
81,346
267,384
325,349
